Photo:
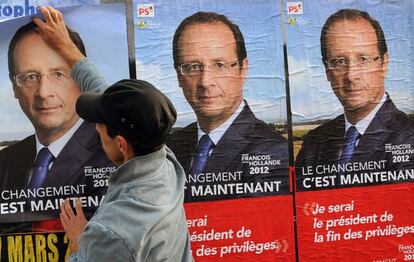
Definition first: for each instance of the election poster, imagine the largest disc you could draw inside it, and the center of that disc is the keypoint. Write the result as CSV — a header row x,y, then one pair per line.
x,y
232,92
350,72
10,9
220,63
38,112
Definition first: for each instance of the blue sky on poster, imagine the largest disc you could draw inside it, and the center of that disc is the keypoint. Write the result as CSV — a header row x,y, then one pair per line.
x,y
260,24
103,30
312,96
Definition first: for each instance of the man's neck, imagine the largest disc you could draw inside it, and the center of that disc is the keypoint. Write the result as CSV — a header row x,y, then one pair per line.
x,y
208,124
47,139
354,116
47,136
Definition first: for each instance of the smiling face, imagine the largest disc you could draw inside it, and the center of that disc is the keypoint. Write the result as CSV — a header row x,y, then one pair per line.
x,y
358,87
50,105
214,94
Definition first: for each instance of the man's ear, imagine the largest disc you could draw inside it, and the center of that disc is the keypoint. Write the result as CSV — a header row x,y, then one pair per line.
x,y
244,67
125,148
122,144
14,85
328,72
385,64
179,77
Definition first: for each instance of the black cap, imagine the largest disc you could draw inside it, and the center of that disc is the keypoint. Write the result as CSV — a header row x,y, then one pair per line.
x,y
135,108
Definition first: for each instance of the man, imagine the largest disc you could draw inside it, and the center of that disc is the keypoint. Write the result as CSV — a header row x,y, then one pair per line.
x,y
354,52
142,217
227,140
64,158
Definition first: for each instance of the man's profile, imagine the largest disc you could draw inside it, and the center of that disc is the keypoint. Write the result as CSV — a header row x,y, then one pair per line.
x,y
211,63
355,56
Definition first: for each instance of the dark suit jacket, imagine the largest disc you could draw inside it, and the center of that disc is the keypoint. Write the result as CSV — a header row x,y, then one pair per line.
x,y
247,135
71,167
390,126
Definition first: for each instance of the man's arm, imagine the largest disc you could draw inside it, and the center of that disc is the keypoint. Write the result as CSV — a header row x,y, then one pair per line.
x,y
91,241
87,77
100,243
54,32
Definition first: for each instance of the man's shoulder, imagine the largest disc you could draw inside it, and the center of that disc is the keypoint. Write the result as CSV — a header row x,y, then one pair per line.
x,y
265,130
255,130
395,118
398,126
86,132
19,149
181,137
186,131
86,137
333,127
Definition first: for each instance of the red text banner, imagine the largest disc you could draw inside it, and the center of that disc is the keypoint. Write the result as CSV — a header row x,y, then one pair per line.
x,y
258,229
368,223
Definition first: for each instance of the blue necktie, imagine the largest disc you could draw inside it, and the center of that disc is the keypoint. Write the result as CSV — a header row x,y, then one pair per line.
x,y
199,161
40,168
351,137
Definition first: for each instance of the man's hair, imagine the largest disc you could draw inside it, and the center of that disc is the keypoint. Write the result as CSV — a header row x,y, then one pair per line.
x,y
206,18
352,14
138,149
28,28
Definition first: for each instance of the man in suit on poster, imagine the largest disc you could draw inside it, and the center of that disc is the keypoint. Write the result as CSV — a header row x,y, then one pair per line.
x,y
211,63
354,52
63,145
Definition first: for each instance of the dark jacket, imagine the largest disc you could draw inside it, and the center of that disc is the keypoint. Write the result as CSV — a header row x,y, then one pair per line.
x,y
246,138
81,162
390,126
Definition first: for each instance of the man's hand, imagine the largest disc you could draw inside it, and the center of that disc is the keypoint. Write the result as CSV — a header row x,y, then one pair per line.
x,y
74,224
54,32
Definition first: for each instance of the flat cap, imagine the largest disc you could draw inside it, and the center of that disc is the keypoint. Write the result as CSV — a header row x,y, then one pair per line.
x,y
134,108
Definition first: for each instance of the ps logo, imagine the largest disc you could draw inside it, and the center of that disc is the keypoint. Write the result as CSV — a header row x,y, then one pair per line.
x,y
146,10
295,8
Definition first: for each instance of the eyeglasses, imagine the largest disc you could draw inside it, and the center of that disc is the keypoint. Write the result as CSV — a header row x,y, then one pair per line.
x,y
218,68
342,63
32,79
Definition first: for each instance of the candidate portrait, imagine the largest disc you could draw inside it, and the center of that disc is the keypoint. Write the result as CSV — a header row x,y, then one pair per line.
x,y
355,57
64,153
211,63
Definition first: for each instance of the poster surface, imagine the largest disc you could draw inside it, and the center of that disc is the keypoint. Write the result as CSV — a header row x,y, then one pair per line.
x,y
38,112
352,95
220,63
231,91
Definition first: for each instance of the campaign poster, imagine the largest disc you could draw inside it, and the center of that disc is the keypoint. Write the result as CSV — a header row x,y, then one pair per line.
x,y
38,112
220,63
350,68
237,99
10,9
